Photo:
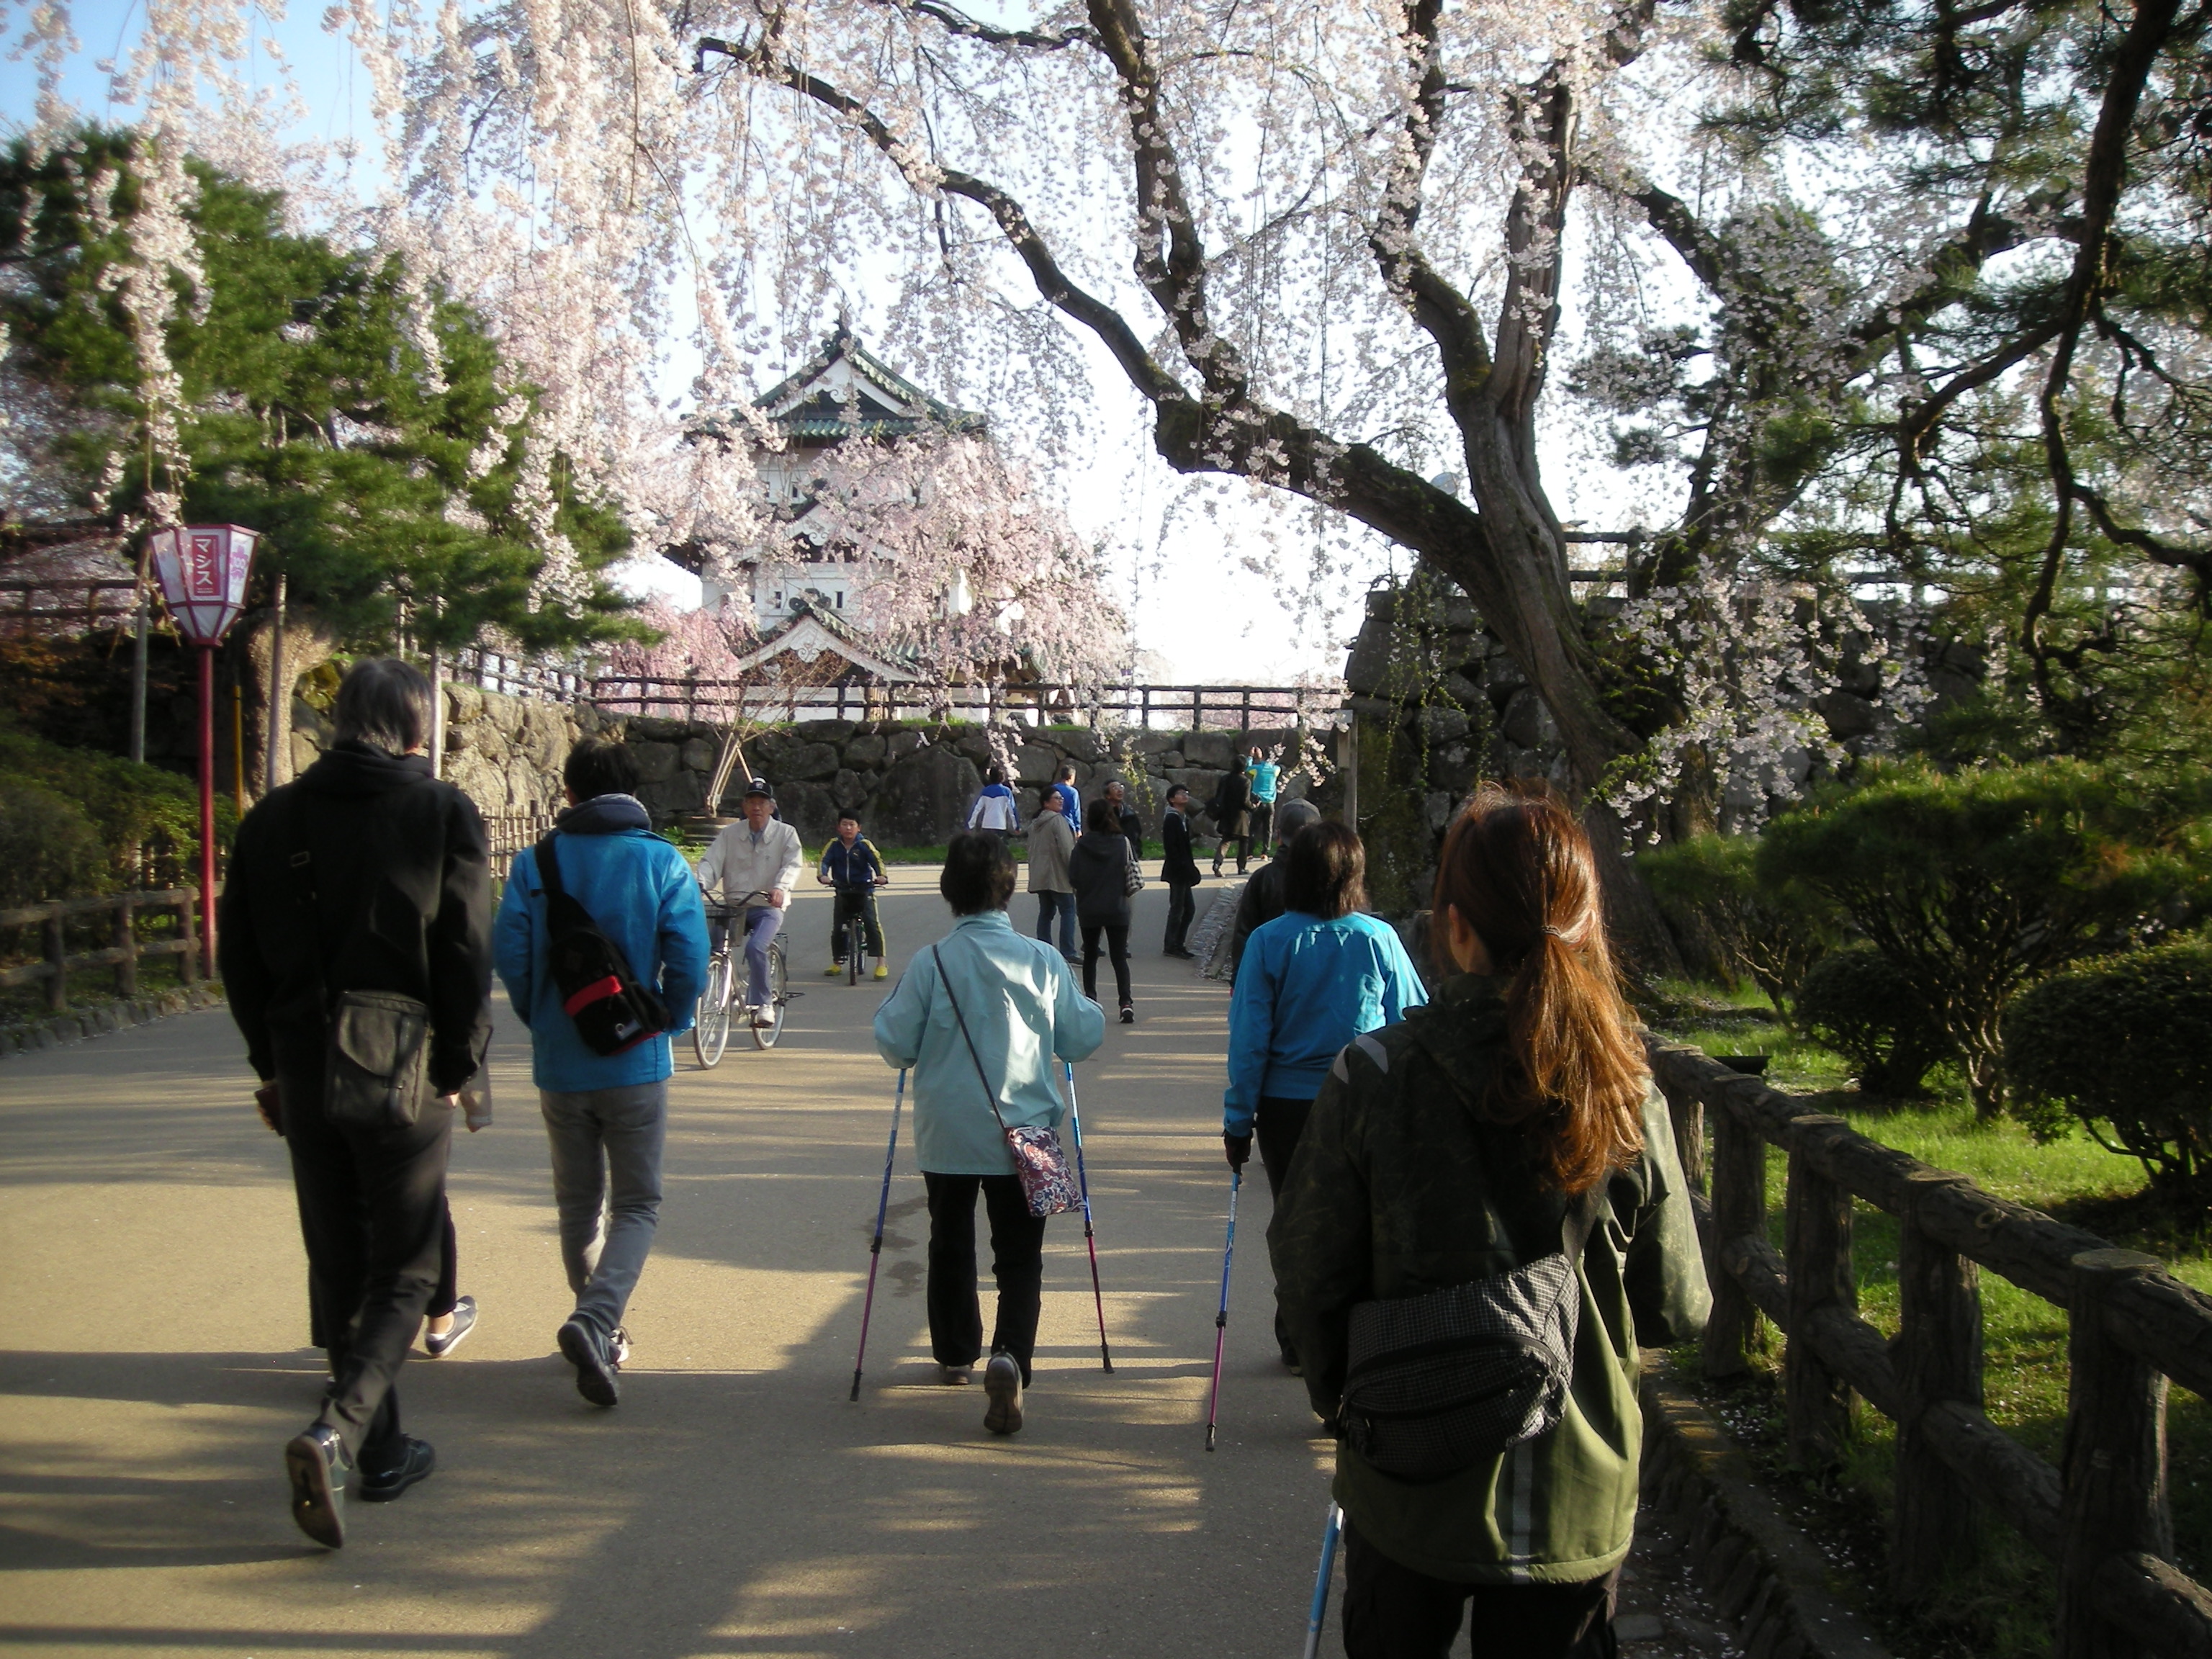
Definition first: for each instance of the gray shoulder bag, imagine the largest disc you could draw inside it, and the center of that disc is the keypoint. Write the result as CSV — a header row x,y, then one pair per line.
x,y
1437,1384
379,1045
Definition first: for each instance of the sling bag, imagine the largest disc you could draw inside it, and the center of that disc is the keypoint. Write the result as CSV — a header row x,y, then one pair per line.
x,y
1437,1384
612,1009
378,1046
1041,1166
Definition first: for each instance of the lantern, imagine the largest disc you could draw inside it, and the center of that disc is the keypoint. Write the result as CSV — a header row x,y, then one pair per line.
x,y
202,568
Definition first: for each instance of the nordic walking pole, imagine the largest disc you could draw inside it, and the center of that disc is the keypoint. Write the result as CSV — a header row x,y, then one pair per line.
x,y
1083,1181
876,1250
1331,1531
1221,1319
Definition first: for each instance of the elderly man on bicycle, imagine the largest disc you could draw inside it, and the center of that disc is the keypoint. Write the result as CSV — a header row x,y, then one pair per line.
x,y
755,864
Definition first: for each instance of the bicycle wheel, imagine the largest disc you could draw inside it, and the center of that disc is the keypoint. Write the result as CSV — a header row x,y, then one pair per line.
x,y
764,1036
712,1033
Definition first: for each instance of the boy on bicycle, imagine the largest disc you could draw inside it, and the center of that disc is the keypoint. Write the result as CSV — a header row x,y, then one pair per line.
x,y
852,866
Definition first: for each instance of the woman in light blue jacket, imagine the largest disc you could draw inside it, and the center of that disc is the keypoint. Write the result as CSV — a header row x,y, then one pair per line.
x,y
1025,1015
1310,981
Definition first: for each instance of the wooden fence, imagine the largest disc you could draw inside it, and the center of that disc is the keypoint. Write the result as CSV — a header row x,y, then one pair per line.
x,y
1171,708
509,833
65,606
2102,1519
57,962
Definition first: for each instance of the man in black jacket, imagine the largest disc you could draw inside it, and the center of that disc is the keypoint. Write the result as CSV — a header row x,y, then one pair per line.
x,y
1179,870
1261,901
366,875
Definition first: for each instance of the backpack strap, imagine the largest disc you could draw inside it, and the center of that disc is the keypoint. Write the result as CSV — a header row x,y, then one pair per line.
x,y
549,866
982,1077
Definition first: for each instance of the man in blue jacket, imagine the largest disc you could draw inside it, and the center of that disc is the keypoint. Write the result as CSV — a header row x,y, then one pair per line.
x,y
606,1115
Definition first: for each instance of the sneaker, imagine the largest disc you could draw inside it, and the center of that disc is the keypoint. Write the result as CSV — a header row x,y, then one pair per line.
x,y
1002,1384
761,1017
955,1377
315,1464
883,970
417,1460
439,1344
584,1348
1128,1015
618,1348
833,970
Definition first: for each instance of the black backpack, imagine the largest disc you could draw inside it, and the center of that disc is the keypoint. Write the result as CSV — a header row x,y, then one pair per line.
x,y
612,1009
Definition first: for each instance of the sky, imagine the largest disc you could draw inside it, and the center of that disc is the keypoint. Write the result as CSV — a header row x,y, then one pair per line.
x,y
1196,564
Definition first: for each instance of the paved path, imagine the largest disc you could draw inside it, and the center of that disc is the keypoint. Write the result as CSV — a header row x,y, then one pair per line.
x,y
151,1364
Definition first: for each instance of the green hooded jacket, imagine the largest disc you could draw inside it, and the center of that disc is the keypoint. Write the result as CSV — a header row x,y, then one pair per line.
x,y
1400,1187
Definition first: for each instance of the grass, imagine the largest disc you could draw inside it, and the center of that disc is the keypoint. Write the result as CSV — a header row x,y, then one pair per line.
x,y
2007,1610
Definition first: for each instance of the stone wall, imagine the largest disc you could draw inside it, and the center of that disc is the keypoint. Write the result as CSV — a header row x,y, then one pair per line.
x,y
909,781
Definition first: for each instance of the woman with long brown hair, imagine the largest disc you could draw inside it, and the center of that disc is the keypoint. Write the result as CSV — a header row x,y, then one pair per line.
x,y
1507,1131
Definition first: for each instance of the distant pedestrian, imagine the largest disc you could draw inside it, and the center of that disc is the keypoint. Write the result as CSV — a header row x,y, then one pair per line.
x,y
1511,1119
1179,870
1103,868
1019,1005
1316,977
356,952
606,1114
1230,809
853,868
1071,806
755,865
993,810
1261,901
1052,843
1265,776
1133,827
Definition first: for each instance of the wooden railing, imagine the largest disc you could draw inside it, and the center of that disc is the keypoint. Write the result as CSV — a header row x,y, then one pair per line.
x,y
57,961
65,606
2102,1519
1169,707
509,833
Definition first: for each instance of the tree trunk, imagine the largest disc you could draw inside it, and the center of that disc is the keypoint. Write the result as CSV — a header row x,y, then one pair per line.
x,y
307,645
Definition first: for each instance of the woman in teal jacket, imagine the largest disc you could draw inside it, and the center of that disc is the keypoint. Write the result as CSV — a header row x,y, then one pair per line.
x,y
1023,1010
1310,981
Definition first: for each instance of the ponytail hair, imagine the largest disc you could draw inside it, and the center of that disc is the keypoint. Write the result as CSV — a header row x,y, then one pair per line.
x,y
1517,867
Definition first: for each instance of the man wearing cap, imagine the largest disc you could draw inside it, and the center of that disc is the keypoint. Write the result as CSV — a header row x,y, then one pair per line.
x,y
756,863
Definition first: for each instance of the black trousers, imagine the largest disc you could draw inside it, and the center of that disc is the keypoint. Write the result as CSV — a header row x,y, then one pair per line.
x,y
1391,1612
1278,1124
1263,826
1117,949
861,904
1182,907
447,1296
372,1217
956,1313
1243,845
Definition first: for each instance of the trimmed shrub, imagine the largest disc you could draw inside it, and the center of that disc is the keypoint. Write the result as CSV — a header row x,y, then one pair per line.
x,y
1856,1002
1769,934
1977,884
2125,1044
147,818
48,847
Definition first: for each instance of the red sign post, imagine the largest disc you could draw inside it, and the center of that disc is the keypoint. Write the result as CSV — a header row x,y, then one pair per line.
x,y
201,569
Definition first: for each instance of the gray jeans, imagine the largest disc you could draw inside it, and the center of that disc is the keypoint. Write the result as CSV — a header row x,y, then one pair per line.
x,y
606,1183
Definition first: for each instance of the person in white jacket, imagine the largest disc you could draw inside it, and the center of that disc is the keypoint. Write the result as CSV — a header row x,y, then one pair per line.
x,y
756,863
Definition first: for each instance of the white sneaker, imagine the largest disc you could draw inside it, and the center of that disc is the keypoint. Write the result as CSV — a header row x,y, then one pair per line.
x,y
761,1017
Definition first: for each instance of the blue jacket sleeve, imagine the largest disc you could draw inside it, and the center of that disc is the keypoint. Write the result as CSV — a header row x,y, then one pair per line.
x,y
1251,1035
514,934
683,946
1401,980
905,1013
1078,1024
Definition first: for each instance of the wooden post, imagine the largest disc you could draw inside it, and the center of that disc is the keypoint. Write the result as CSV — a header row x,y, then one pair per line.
x,y
1688,1113
1939,1357
1738,1179
188,959
126,940
2114,1462
55,941
1817,1242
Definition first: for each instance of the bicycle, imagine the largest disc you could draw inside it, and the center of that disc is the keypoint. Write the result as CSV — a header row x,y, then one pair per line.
x,y
710,1033
855,935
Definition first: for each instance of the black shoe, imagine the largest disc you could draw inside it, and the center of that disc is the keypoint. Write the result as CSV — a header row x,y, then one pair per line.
x,y
1291,1361
584,1348
439,1344
1183,954
1128,1015
315,1464
417,1460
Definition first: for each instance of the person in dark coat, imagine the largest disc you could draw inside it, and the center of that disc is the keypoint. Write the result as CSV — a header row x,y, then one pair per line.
x,y
367,874
1232,811
1261,901
1099,866
1117,797
1179,869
